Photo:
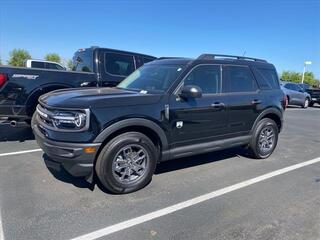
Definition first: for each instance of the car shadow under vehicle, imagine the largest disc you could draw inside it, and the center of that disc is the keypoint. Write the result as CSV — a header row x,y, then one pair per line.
x,y
20,133
64,176
193,161
162,168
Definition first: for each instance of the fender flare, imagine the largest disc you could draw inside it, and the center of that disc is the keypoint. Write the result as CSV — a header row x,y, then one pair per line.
x,y
133,122
275,111
40,90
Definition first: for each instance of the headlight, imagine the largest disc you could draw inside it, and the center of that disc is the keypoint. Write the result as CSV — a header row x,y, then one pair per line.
x,y
64,120
69,120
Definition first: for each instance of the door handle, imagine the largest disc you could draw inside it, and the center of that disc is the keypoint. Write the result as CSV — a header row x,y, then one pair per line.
x,y
256,101
217,105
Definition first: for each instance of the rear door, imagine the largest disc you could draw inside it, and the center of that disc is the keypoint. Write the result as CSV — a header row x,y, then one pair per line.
x,y
243,99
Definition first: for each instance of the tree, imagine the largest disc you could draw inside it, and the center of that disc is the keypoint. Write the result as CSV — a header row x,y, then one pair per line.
x,y
18,56
0,62
69,64
53,57
296,77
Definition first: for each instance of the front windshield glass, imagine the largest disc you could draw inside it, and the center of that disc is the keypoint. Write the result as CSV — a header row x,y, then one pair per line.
x,y
152,78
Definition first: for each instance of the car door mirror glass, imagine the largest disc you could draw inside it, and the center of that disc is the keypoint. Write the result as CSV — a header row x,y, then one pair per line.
x,y
190,91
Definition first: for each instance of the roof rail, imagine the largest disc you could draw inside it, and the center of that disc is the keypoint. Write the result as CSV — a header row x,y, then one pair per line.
x,y
160,58
214,56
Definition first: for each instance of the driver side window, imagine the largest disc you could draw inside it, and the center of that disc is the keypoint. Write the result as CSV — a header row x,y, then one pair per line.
x,y
207,77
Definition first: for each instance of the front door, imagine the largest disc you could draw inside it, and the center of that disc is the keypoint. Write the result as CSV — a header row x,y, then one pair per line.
x,y
197,120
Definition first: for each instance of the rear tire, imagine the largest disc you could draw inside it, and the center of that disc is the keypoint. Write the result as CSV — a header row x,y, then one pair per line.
x,y
264,139
118,168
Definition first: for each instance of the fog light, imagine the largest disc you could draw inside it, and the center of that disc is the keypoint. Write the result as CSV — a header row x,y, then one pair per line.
x,y
89,149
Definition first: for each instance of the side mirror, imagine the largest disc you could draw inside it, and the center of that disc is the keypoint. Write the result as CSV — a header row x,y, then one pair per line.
x,y
191,91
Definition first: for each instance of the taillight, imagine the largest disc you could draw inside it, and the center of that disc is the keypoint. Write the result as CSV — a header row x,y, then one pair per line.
x,y
285,102
3,79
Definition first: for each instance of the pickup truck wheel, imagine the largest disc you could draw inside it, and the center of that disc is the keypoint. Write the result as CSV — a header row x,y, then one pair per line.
x,y
126,163
264,139
306,103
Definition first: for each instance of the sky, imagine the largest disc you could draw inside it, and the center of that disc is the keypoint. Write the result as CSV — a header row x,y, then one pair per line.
x,y
284,32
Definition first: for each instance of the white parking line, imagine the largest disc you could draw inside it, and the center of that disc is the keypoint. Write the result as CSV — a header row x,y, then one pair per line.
x,y
20,152
165,211
1,228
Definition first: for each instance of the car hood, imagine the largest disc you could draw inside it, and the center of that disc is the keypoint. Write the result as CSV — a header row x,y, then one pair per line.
x,y
96,97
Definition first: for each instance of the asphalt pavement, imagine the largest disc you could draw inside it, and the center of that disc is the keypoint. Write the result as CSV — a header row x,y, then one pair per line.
x,y
38,203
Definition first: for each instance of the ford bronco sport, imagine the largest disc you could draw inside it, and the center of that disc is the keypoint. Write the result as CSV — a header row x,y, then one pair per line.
x,y
166,109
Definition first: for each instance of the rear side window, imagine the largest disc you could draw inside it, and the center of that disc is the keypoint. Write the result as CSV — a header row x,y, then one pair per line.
x,y
267,78
37,64
54,66
238,79
295,87
207,77
119,64
146,59
83,61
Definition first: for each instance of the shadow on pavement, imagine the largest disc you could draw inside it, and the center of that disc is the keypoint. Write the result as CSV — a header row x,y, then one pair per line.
x,y
20,133
193,161
59,173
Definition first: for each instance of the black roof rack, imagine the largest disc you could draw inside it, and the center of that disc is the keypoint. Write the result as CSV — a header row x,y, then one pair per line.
x,y
160,58
214,56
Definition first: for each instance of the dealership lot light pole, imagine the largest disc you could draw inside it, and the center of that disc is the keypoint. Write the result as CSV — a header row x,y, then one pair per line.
x,y
304,69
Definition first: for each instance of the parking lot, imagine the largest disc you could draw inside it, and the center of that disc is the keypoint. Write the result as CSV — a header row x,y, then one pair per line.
x,y
187,198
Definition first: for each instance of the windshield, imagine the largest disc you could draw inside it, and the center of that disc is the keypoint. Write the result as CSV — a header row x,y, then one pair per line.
x,y
152,78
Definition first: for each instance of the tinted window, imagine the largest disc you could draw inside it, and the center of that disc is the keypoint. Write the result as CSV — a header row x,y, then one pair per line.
x,y
289,86
296,87
238,79
54,66
267,78
119,64
83,61
146,59
207,77
37,64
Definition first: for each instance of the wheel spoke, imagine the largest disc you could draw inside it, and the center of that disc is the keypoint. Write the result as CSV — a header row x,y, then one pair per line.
x,y
130,163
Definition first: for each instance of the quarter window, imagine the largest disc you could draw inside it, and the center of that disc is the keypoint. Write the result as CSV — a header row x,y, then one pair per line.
x,y
267,78
207,77
146,59
119,64
238,79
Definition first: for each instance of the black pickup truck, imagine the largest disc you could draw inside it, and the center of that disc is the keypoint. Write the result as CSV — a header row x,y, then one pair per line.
x,y
314,93
20,88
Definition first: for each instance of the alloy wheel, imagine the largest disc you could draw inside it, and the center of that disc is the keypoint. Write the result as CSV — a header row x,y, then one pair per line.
x,y
130,163
266,139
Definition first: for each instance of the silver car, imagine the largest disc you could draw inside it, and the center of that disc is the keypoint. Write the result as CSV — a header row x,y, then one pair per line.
x,y
296,95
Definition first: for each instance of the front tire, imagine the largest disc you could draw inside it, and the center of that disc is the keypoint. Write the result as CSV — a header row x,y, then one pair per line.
x,y
264,139
306,103
127,163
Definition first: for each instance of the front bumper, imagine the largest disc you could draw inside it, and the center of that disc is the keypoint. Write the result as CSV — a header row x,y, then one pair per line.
x,y
71,156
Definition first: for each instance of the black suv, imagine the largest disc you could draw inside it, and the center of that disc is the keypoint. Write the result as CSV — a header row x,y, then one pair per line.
x,y
168,108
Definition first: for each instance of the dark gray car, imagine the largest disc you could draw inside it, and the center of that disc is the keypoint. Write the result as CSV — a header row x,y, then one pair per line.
x,y
295,94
